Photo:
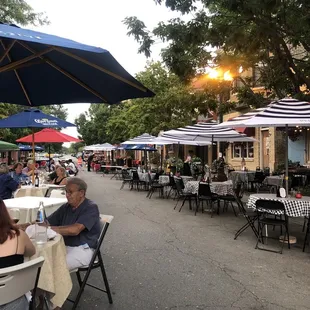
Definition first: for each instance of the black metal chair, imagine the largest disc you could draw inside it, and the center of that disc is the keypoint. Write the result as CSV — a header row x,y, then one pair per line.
x,y
205,194
231,199
259,178
183,195
126,179
136,181
172,186
265,209
96,262
250,216
153,185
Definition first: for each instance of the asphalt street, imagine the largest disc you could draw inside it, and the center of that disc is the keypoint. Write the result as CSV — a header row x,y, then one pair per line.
x,y
159,258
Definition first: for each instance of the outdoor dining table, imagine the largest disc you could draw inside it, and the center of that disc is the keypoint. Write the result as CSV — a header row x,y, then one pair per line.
x,y
164,179
220,188
241,176
274,180
294,207
55,278
144,176
25,208
186,178
41,191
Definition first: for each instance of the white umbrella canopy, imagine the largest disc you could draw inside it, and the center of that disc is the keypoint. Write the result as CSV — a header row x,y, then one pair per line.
x,y
143,139
282,113
177,140
105,147
90,147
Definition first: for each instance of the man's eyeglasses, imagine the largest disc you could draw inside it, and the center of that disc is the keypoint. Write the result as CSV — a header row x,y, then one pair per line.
x,y
71,192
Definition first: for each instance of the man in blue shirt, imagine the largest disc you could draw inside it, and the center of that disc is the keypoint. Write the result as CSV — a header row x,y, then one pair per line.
x,y
78,221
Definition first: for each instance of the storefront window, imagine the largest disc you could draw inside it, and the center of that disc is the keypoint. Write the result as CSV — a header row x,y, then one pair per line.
x,y
242,149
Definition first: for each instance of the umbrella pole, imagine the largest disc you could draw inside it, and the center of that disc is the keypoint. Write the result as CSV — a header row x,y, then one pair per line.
x,y
33,156
49,158
145,160
286,160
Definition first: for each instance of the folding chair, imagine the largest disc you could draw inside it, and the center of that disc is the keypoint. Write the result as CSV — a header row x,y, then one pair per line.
x,y
96,262
153,185
264,209
250,216
126,178
17,280
205,194
183,195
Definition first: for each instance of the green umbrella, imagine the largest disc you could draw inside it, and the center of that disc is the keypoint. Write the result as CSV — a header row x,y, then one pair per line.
x,y
6,146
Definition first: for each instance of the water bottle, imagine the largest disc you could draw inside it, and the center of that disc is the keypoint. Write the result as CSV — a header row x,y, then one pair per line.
x,y
40,231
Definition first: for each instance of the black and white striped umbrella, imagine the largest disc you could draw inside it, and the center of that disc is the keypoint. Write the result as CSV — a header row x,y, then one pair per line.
x,y
143,139
279,113
174,139
282,113
209,132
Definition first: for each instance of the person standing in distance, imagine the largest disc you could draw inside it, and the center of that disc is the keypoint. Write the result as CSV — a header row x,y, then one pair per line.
x,y
89,161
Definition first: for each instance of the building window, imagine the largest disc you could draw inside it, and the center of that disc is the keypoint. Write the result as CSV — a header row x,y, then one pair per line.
x,y
242,149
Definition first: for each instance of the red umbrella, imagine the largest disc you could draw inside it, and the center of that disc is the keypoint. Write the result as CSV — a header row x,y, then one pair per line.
x,y
48,135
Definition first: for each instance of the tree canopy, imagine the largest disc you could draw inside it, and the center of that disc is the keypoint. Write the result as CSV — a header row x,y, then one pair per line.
x,y
20,12
174,105
272,36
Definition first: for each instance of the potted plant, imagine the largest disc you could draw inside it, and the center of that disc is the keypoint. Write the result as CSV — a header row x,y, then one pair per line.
x,y
154,160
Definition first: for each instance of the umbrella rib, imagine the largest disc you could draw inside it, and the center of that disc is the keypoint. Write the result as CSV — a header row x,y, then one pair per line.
x,y
100,69
13,65
17,75
6,51
64,72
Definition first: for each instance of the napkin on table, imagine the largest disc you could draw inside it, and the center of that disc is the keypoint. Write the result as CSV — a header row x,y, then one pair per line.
x,y
31,232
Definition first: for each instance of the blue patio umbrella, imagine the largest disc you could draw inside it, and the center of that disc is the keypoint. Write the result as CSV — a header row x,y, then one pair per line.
x,y
33,118
41,69
28,148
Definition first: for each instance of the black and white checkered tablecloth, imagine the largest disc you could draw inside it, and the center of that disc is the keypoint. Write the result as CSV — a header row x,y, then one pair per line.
x,y
294,207
220,188
164,179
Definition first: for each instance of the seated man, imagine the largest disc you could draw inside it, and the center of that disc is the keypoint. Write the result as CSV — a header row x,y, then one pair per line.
x,y
78,221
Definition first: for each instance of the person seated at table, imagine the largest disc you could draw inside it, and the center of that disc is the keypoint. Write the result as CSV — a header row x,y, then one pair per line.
x,y
71,167
30,168
7,184
17,173
14,246
78,221
61,176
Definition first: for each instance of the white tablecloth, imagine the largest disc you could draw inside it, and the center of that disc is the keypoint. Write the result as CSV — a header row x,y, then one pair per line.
x,y
55,278
28,207
274,180
294,207
41,191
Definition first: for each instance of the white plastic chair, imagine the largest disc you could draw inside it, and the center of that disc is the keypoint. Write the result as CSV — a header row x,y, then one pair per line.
x,y
17,280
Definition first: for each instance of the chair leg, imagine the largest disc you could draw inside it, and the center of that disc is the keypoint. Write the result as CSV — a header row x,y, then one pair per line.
x,y
177,203
232,205
79,278
306,236
182,204
105,279
78,297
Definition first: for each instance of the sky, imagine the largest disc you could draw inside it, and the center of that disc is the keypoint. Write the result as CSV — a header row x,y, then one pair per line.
x,y
99,23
